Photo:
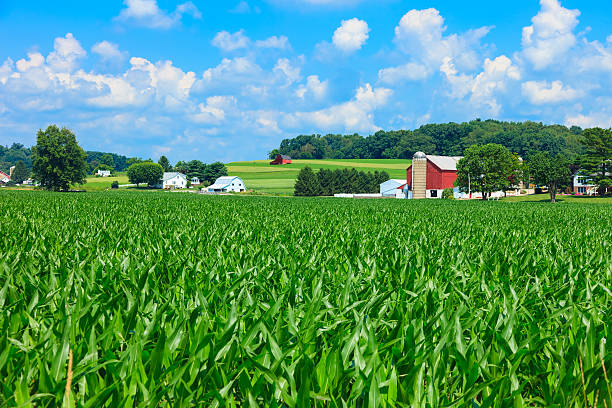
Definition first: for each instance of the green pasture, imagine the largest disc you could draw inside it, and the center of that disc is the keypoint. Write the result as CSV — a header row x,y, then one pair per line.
x,y
261,177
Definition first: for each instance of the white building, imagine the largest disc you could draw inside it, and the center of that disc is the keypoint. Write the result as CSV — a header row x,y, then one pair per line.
x,y
172,180
195,181
4,178
227,184
103,173
390,188
584,185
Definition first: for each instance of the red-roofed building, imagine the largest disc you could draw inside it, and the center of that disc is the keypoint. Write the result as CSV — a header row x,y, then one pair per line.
x,y
280,159
4,178
429,175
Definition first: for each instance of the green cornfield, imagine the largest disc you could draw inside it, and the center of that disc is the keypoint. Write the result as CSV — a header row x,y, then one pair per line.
x,y
136,299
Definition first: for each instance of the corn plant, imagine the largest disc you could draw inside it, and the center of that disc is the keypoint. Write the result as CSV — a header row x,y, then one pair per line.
x,y
119,299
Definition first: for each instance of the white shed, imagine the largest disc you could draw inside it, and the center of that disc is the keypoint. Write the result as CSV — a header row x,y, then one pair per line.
x,y
227,184
172,180
389,187
103,173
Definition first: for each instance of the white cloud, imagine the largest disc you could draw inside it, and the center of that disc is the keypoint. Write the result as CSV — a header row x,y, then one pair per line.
x,y
420,34
215,109
67,51
314,86
281,42
484,88
108,51
283,68
595,119
351,35
551,35
231,42
542,93
35,59
147,13
355,115
411,71
6,70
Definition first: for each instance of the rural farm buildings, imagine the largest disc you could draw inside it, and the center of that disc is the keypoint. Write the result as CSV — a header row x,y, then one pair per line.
x,y
429,175
172,180
281,159
227,184
4,178
392,188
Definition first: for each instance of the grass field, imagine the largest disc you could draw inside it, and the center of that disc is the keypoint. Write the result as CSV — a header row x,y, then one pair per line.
x,y
261,177
103,183
545,198
185,300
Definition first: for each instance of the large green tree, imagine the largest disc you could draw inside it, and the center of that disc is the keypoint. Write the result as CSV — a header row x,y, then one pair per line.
x,y
145,172
486,168
21,173
57,159
108,160
550,171
214,171
597,160
165,163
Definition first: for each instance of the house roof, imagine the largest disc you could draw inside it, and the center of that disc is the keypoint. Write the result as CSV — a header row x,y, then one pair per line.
x,y
400,181
445,162
223,182
171,174
285,157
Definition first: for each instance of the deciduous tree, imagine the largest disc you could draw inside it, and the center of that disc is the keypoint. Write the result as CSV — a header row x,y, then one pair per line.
x,y
21,173
597,161
550,171
58,160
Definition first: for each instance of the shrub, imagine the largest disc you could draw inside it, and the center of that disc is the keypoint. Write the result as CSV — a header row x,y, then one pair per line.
x,y
447,193
115,184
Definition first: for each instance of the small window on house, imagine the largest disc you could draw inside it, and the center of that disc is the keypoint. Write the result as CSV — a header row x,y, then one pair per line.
x,y
434,193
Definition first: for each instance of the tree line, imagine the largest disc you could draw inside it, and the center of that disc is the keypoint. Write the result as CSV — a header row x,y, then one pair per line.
x,y
447,139
327,182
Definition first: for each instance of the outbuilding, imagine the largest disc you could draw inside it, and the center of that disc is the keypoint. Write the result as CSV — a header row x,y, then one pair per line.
x,y
195,181
392,187
429,175
103,173
4,178
172,180
280,159
227,184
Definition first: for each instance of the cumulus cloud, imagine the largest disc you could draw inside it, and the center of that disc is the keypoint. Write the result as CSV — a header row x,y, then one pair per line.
x,y
66,52
314,86
281,42
356,115
483,88
351,35
541,92
215,109
411,71
108,51
551,35
148,14
231,42
420,34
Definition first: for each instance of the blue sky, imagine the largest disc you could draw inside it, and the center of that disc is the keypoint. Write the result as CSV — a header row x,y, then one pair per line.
x,y
228,80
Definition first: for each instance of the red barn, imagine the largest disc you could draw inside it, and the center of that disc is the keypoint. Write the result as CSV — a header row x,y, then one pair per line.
x,y
280,159
429,175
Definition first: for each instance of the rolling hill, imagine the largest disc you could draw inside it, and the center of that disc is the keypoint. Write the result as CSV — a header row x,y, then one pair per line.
x,y
261,177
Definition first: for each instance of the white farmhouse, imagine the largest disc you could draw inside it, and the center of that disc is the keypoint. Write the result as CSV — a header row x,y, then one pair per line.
x,y
227,184
172,180
103,173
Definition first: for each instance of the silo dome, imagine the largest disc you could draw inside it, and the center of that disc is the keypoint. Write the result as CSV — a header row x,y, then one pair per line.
x,y
419,155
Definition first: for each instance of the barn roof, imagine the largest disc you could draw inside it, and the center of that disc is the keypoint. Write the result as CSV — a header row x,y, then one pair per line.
x,y
285,157
222,182
445,162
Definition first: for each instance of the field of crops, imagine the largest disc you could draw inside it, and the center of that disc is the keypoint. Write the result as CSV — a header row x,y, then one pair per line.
x,y
179,300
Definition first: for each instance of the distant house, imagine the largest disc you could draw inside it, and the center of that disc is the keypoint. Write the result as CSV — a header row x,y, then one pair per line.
x,y
195,181
227,184
584,185
281,159
4,178
103,173
172,180
392,188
